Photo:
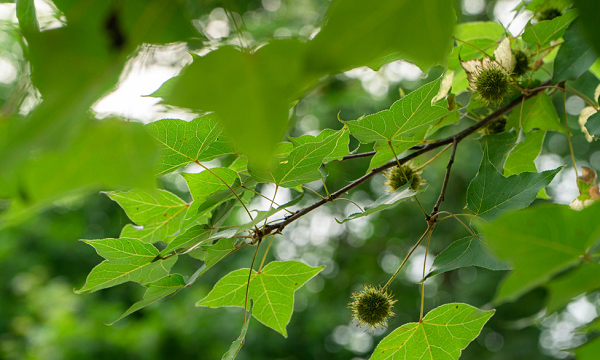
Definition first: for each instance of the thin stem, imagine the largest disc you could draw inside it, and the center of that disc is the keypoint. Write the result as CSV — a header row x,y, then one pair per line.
x,y
421,206
266,252
433,158
459,220
229,187
429,227
358,206
436,207
271,206
471,45
266,198
580,94
325,187
423,283
569,135
572,93
249,277
311,190
394,152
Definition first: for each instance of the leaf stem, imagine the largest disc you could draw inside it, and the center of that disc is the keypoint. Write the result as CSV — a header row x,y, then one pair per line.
x,y
569,136
249,277
266,252
423,283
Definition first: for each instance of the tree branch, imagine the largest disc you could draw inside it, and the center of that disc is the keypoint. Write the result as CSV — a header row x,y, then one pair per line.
x,y
454,139
436,207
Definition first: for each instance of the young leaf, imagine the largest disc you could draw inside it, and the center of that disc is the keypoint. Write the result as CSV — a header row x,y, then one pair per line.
x,y
237,345
536,112
160,212
272,290
185,142
338,152
444,332
302,164
490,194
208,182
156,291
521,158
468,251
126,260
579,281
409,117
540,242
384,202
574,57
544,31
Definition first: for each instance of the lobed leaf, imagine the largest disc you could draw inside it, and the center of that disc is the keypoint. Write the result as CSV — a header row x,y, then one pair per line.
x,y
272,290
521,158
444,332
544,31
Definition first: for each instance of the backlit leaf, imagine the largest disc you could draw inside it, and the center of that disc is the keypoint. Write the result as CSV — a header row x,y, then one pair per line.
x,y
444,332
536,112
544,31
272,290
522,156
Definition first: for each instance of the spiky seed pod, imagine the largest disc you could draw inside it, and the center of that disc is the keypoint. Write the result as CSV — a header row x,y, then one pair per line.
x,y
549,14
397,177
491,83
372,307
522,64
496,127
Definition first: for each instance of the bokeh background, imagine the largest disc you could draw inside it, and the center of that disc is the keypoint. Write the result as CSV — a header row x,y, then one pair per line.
x,y
41,261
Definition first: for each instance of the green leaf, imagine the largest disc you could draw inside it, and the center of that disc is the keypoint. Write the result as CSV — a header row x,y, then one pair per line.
x,y
384,202
544,31
522,156
338,152
237,344
26,15
272,290
384,153
468,251
208,182
540,242
156,290
211,255
589,22
409,117
536,112
185,142
214,200
578,281
302,164
262,215
479,30
589,350
357,33
250,93
160,212
593,125
194,235
126,260
574,57
490,194
498,146
444,332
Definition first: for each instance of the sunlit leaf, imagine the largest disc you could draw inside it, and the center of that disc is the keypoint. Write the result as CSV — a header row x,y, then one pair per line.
x,y
272,290
185,142
544,31
522,156
540,242
338,152
490,193
160,212
156,290
208,182
468,251
126,260
302,164
536,112
444,332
